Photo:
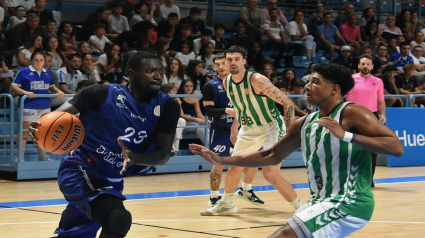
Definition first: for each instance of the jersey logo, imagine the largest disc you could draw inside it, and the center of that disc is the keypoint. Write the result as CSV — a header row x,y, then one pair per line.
x,y
157,111
121,98
246,91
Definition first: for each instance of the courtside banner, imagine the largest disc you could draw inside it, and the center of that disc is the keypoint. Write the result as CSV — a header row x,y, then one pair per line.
x,y
409,126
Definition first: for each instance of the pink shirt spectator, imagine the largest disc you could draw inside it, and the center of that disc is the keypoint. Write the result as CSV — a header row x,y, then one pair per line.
x,y
265,16
366,91
350,32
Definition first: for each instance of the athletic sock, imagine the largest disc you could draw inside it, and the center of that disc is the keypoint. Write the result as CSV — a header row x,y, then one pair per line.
x,y
228,197
246,186
296,203
215,194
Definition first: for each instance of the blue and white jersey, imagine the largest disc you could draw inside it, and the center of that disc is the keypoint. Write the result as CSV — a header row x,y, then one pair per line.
x,y
30,80
221,101
120,116
71,80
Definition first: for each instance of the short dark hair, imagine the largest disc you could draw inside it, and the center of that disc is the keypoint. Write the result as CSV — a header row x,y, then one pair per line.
x,y
142,27
237,49
373,37
219,25
98,25
185,26
365,57
390,68
336,74
299,83
51,21
135,59
32,15
166,88
326,13
206,32
404,43
173,14
194,10
84,83
282,84
37,52
273,9
71,57
219,56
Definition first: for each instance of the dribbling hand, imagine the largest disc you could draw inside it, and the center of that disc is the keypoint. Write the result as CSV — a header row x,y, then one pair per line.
x,y
205,154
332,125
127,161
32,128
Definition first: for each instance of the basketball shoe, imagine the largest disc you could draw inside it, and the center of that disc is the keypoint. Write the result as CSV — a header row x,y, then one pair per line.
x,y
249,196
213,201
220,208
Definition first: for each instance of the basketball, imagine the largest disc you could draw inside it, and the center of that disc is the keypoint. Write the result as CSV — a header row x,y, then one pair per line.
x,y
59,132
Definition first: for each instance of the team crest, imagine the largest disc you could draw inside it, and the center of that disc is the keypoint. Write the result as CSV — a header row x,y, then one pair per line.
x,y
157,111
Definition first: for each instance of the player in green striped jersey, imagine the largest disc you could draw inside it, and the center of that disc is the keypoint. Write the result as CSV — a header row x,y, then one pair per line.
x,y
336,143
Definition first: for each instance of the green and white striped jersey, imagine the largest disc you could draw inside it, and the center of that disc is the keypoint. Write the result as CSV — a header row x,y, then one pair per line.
x,y
251,109
338,171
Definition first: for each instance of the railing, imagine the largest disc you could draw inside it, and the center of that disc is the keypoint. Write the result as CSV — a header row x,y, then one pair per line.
x,y
8,112
413,97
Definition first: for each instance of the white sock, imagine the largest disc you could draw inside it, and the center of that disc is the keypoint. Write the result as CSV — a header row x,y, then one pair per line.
x,y
246,186
215,194
296,203
228,197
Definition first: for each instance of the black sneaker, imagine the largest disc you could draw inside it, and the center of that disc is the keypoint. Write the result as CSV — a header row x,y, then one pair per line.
x,y
249,196
213,201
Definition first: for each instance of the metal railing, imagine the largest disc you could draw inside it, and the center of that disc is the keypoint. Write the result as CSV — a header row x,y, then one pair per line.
x,y
8,112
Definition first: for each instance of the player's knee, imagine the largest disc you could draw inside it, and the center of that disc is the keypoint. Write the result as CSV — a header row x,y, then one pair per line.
x,y
271,176
235,170
119,222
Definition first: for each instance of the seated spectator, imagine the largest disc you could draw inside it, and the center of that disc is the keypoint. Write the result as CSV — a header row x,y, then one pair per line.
x,y
402,58
402,22
381,55
138,37
5,76
169,7
172,89
390,87
415,22
343,17
274,35
23,54
168,27
297,34
345,58
67,38
99,17
18,18
408,85
205,37
83,84
148,34
51,27
374,41
368,16
98,40
370,30
315,19
110,64
269,71
351,33
306,77
39,8
206,56
288,78
89,71
160,47
47,61
327,34
191,110
84,48
302,108
265,13
70,75
419,40
58,57
195,73
419,63
141,10
251,14
185,55
119,23
184,36
174,73
393,48
220,42
239,38
367,50
255,56
197,24
388,30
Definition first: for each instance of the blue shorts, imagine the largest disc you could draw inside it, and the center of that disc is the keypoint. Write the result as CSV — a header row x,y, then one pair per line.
x,y
220,140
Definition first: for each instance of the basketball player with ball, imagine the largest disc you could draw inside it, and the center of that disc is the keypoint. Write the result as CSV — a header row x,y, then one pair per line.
x,y
128,129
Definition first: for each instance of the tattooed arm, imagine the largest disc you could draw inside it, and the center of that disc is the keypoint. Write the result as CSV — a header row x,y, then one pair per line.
x,y
263,86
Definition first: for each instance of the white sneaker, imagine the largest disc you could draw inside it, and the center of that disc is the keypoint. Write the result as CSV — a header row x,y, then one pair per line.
x,y
22,160
220,208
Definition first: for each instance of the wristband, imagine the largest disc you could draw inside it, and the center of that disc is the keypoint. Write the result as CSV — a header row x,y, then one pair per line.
x,y
348,136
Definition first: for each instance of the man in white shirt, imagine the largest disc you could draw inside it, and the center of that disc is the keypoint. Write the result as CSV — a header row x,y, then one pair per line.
x,y
169,7
118,22
419,40
69,76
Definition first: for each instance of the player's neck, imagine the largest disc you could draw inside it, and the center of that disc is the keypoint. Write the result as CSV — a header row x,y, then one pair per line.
x,y
142,96
237,78
222,77
328,106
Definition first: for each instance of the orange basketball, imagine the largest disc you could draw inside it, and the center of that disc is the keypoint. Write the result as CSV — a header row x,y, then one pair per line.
x,y
59,132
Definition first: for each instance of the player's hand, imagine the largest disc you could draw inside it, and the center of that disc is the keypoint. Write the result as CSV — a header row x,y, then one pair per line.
x,y
206,154
332,125
60,94
382,118
233,136
31,94
127,161
231,112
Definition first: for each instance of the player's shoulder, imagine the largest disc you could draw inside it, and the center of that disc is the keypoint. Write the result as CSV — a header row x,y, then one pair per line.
x,y
356,112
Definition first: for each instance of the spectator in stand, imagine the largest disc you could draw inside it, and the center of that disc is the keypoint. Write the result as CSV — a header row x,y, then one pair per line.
x,y
110,64
100,16
239,38
408,85
184,36
174,73
327,34
51,27
220,42
288,77
388,30
265,13
419,63
402,22
381,55
374,41
39,8
370,30
376,63
195,72
274,35
345,58
89,71
419,40
67,38
167,28
84,48
297,34
119,23
141,14
70,75
206,56
197,24
160,47
315,19
185,55
393,48
306,77
368,16
168,8
18,18
205,37
255,56
5,80
302,108
269,71
415,22
136,38
252,16
390,87
13,3
98,40
351,33
148,34
23,54
58,57
343,17
402,58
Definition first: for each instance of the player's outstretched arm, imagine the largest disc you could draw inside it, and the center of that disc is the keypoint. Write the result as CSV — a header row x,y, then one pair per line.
x,y
262,85
273,156
368,132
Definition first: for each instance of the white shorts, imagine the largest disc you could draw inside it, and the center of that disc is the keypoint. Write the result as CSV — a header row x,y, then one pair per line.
x,y
32,114
323,220
251,139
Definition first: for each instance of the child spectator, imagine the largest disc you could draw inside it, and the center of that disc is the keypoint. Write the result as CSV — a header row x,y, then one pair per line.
x,y
22,57
51,27
160,47
110,63
288,77
175,44
269,71
141,10
39,9
19,18
119,23
99,17
168,27
392,47
186,54
239,38
84,48
174,73
205,37
255,56
197,24
98,40
66,35
47,61
220,42
169,7
300,102
197,76
206,56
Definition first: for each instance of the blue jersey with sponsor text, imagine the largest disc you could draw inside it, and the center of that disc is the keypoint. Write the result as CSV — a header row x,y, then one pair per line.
x,y
120,116
221,101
